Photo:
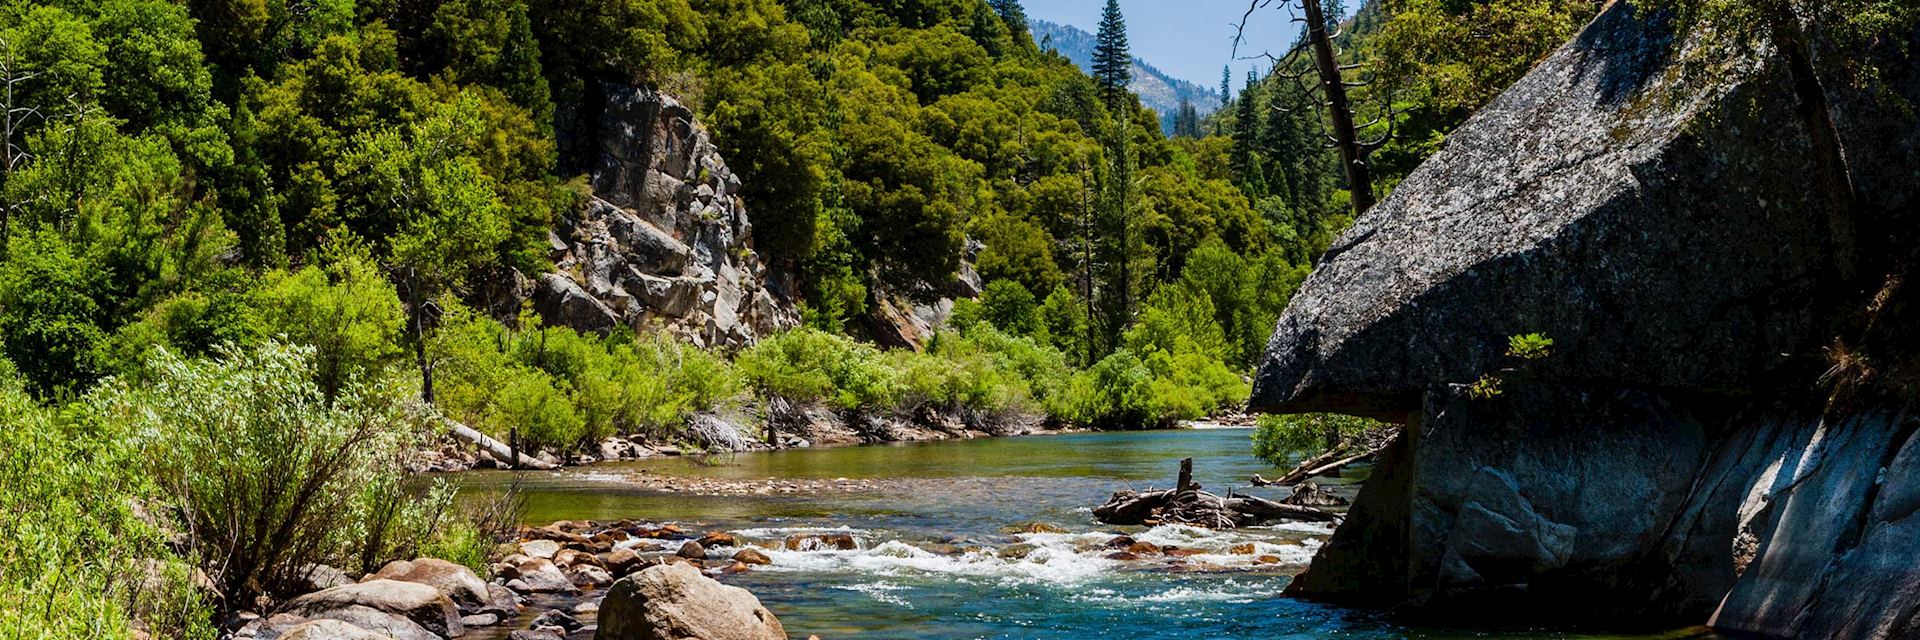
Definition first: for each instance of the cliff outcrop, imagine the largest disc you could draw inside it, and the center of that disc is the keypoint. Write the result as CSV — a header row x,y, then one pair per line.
x,y
665,241
1647,201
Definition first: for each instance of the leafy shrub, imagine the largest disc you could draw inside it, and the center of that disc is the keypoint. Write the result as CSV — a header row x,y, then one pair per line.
x,y
266,472
1529,346
80,561
1278,439
809,365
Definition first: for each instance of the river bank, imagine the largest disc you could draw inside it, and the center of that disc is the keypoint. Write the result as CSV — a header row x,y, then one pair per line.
x,y
802,427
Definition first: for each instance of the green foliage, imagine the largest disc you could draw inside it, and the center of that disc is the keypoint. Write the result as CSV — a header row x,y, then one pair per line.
x,y
1468,52
1011,308
345,309
81,561
808,365
49,316
1281,439
224,437
1529,346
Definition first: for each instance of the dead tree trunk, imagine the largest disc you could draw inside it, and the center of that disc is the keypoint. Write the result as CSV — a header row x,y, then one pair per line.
x,y
1346,137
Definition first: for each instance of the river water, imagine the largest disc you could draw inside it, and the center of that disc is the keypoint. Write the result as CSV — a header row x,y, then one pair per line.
x,y
936,558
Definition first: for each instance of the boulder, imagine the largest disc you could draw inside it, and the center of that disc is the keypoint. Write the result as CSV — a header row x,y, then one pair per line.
x,y
540,548
561,301
621,562
315,577
751,556
691,549
330,630
1664,462
539,575
672,602
456,582
665,238
403,610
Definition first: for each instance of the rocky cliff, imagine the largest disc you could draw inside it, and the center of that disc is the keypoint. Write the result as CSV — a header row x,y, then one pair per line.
x,y
1651,208
665,242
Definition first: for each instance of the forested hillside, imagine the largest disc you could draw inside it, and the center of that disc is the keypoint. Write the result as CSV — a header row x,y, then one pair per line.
x,y
251,243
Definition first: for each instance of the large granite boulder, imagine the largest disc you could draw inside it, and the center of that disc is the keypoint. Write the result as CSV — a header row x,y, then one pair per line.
x,y
1651,208
403,610
676,602
454,581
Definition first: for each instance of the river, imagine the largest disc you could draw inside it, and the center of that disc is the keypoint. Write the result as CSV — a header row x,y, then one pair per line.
x,y
936,559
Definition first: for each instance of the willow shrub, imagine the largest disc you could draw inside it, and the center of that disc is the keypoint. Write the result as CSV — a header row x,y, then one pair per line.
x,y
79,561
809,365
267,473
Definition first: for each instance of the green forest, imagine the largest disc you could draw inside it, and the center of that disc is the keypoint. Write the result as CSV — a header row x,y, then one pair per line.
x,y
240,243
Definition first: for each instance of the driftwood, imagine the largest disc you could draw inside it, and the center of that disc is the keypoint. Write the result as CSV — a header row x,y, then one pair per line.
x,y
1330,461
1187,504
499,450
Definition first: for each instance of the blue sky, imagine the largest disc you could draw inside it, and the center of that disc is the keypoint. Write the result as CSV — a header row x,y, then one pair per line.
x,y
1188,39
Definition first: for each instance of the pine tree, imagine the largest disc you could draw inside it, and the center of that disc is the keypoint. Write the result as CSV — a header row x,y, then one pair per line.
x,y
1296,162
1244,159
1112,63
1186,120
1015,18
988,30
1226,85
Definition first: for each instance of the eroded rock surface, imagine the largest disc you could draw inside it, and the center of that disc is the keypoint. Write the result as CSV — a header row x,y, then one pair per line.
x,y
1671,460
665,241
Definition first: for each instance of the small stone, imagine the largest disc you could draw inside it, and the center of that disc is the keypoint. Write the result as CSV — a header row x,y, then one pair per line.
x,y
1120,542
556,618
752,556
691,550
479,620
1143,548
540,548
1122,556
719,539
1243,549
1032,527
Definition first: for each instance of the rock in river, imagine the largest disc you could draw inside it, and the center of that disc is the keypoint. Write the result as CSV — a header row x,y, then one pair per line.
x,y
674,602
403,610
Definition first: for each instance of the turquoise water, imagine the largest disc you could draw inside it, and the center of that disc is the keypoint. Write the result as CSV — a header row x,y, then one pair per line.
x,y
933,559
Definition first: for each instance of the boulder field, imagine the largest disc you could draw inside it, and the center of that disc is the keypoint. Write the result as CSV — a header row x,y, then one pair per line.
x,y
1682,454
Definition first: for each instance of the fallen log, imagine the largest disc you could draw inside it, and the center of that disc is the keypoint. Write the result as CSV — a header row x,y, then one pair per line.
x,y
499,450
1187,504
1325,463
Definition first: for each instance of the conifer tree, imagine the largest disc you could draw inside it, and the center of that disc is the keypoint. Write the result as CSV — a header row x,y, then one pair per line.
x,y
1244,159
1015,18
1112,63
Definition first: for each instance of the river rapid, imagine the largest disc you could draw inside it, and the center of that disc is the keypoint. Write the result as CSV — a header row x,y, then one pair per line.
x,y
943,550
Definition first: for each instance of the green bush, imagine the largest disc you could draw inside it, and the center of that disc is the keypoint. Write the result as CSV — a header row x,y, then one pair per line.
x,y
1280,439
268,474
809,365
79,560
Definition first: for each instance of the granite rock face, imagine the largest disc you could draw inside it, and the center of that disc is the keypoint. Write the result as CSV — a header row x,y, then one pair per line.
x,y
1656,216
665,242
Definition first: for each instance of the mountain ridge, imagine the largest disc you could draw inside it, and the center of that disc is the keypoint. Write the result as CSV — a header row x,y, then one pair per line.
x,y
1157,90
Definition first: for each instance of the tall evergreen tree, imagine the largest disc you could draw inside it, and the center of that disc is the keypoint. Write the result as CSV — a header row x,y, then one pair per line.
x,y
1244,158
1226,85
1015,18
1112,62
988,30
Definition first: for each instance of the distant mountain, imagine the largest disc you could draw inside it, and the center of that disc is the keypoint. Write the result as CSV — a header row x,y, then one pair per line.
x,y
1156,89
